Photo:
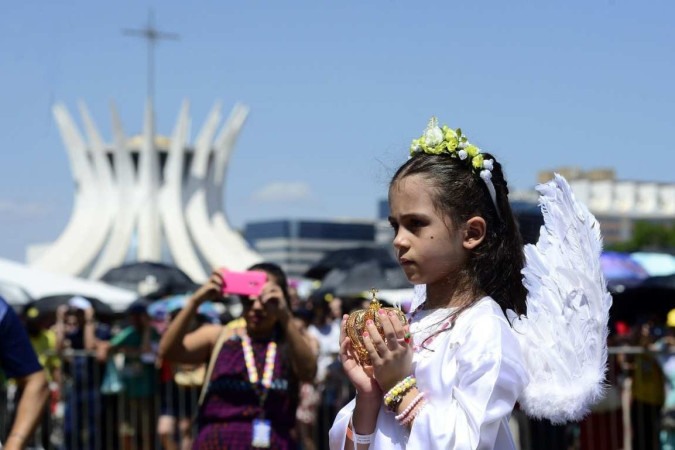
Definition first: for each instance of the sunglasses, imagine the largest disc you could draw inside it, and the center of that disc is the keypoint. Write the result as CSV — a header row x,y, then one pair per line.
x,y
248,301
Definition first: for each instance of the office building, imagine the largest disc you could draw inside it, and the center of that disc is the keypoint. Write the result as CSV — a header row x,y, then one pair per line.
x,y
297,244
619,204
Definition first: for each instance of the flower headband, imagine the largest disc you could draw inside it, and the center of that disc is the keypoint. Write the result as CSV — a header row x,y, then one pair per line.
x,y
437,141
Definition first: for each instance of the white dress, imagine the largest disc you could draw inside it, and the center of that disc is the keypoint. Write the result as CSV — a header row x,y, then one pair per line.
x,y
471,377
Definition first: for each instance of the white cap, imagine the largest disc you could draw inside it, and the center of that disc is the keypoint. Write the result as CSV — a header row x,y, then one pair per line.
x,y
78,302
148,285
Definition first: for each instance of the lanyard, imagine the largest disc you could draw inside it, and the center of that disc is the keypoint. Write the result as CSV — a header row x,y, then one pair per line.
x,y
261,387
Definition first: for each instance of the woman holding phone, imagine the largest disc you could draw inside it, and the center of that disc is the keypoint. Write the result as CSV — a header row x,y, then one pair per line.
x,y
255,364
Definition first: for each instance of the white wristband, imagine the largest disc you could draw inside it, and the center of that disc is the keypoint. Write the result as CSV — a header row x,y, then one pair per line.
x,y
362,438
358,438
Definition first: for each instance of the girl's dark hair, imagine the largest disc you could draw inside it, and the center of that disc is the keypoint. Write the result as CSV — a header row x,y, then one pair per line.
x,y
495,265
275,272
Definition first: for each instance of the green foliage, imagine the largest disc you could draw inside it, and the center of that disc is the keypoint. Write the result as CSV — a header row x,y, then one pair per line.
x,y
648,236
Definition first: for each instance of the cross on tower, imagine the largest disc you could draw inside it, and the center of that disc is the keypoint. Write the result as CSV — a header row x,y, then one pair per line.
x,y
151,35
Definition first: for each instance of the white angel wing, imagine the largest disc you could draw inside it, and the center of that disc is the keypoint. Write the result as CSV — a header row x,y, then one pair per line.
x,y
564,336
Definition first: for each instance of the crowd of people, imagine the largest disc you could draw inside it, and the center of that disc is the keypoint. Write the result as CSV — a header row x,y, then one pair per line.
x,y
640,404
134,381
161,405
285,370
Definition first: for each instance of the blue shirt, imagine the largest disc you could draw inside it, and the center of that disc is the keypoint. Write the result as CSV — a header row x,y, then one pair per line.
x,y
17,357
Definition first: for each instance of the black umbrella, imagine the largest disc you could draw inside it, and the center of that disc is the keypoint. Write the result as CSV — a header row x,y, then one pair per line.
x,y
642,302
150,279
348,257
362,277
48,305
662,281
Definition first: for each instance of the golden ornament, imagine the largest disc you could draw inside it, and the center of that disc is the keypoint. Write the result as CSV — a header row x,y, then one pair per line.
x,y
356,325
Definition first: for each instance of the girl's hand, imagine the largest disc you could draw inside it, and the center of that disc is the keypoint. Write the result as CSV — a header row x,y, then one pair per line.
x,y
363,381
211,290
391,356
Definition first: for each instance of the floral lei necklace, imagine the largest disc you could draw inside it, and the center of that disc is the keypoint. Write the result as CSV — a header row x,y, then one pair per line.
x,y
261,387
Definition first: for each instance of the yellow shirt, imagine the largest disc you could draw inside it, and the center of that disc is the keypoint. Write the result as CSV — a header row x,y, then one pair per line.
x,y
648,382
44,344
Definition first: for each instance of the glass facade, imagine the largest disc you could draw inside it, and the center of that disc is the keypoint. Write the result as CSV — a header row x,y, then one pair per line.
x,y
383,209
336,231
265,230
304,229
529,218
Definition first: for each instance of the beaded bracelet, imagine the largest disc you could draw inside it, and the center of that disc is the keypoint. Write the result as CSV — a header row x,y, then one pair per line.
x,y
395,395
410,407
413,414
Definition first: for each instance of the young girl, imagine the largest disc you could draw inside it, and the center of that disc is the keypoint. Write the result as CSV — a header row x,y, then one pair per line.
x,y
450,380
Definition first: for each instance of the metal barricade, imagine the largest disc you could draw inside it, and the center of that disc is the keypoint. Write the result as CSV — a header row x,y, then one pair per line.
x,y
618,422
90,413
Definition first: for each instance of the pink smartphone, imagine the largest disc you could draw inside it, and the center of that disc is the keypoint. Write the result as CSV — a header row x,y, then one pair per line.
x,y
248,283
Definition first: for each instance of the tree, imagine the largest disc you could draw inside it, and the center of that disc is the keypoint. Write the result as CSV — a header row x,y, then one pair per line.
x,y
648,236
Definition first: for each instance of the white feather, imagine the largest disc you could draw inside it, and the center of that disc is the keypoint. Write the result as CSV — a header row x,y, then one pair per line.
x,y
564,336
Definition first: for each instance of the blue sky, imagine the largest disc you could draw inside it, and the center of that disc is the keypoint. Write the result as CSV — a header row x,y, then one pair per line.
x,y
337,90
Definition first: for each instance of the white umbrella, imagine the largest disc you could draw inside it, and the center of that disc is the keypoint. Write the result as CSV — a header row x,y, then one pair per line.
x,y
39,283
13,294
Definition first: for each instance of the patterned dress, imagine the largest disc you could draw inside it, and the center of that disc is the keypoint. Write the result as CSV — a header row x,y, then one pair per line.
x,y
231,404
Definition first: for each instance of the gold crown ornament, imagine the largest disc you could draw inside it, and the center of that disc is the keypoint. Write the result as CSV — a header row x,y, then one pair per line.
x,y
356,325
